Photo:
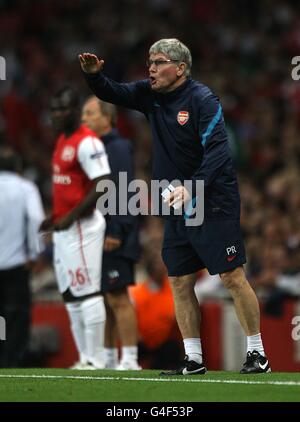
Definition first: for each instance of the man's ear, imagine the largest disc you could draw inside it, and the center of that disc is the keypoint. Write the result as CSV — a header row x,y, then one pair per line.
x,y
181,69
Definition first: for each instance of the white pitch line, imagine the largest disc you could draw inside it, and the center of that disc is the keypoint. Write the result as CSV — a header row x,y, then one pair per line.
x,y
197,380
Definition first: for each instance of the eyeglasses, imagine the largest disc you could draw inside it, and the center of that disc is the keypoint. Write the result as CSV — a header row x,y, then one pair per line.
x,y
160,62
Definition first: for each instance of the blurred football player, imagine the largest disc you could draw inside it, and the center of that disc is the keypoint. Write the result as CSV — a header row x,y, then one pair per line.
x,y
79,163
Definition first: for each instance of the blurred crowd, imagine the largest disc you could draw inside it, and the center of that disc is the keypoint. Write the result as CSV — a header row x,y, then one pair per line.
x,y
241,50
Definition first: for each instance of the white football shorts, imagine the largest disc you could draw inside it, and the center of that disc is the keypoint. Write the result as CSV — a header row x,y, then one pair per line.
x,y
78,255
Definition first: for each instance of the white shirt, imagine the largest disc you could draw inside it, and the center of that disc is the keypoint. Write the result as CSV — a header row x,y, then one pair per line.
x,y
21,213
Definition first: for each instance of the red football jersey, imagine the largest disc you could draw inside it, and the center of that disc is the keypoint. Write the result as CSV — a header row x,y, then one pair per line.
x,y
77,160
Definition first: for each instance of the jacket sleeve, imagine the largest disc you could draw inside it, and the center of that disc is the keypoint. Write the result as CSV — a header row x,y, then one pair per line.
x,y
213,137
118,226
129,95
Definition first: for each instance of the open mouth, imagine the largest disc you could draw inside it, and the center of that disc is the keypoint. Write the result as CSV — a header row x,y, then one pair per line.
x,y
152,80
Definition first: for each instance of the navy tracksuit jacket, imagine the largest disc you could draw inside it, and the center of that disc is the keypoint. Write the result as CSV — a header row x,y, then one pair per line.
x,y
189,137
123,227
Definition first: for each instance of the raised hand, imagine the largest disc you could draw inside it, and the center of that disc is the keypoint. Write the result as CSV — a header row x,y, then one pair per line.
x,y
90,63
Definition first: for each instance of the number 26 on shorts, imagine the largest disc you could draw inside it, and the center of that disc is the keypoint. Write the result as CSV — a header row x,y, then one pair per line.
x,y
77,278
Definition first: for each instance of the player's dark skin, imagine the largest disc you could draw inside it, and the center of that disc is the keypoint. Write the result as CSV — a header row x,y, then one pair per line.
x,y
65,118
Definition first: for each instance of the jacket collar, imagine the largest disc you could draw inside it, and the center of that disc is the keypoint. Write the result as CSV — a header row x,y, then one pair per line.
x,y
110,136
177,92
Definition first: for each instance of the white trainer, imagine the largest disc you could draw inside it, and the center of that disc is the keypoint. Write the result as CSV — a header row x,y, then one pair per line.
x,y
87,366
78,365
128,366
111,365
96,364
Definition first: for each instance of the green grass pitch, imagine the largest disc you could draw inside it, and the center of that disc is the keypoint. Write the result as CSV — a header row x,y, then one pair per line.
x,y
62,385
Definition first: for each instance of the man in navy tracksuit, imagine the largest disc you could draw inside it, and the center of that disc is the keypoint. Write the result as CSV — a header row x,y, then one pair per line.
x,y
121,243
190,144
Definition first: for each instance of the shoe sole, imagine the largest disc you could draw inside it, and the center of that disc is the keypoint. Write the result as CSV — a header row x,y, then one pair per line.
x,y
168,374
255,373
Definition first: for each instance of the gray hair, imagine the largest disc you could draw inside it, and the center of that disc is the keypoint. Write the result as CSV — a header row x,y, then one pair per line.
x,y
175,50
